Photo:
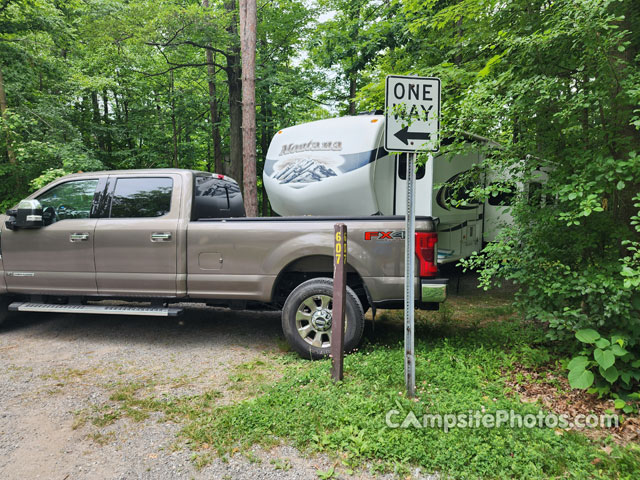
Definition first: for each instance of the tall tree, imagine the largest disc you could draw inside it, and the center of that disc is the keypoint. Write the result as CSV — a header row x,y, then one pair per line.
x,y
4,116
213,105
248,25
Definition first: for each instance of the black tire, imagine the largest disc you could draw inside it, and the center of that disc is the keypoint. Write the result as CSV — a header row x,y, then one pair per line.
x,y
4,308
313,340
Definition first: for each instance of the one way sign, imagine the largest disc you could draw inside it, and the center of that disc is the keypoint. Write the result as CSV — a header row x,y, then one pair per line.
x,y
412,106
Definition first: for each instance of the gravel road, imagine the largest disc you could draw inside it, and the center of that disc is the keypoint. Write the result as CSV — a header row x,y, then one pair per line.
x,y
58,368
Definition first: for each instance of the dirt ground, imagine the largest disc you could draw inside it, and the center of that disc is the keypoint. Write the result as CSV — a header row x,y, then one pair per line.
x,y
59,370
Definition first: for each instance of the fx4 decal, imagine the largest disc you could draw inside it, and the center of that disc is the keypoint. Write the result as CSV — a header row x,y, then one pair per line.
x,y
392,235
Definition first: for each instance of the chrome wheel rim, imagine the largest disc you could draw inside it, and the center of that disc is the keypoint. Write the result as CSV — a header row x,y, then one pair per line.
x,y
314,319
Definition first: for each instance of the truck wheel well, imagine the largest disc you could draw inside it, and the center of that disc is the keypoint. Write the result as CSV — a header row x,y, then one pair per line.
x,y
314,266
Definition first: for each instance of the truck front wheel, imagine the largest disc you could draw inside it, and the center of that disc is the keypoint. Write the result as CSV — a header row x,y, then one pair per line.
x,y
307,319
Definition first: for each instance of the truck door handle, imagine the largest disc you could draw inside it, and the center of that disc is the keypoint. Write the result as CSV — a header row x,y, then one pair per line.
x,y
161,236
78,237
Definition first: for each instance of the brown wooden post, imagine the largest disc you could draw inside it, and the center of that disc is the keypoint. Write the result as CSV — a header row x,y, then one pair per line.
x,y
339,293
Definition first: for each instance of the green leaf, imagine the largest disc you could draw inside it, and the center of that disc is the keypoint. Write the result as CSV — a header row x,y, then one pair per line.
x,y
619,403
618,351
610,374
587,335
580,362
620,185
617,339
605,358
625,377
581,379
492,61
602,343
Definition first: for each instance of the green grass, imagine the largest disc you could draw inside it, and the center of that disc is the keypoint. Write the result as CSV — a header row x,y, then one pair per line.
x,y
464,355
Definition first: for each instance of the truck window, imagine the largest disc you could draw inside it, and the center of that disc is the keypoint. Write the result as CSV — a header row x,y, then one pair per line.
x,y
216,198
141,197
68,200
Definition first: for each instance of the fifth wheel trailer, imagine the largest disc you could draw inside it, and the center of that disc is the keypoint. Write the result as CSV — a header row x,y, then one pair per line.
x,y
339,167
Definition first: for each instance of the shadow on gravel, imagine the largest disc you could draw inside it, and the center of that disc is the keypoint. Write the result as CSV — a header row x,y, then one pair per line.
x,y
199,325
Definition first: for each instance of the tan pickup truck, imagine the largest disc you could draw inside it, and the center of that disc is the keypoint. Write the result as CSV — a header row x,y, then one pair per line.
x,y
166,237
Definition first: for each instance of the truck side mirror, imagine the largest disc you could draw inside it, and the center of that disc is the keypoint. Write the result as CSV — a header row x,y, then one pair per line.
x,y
28,215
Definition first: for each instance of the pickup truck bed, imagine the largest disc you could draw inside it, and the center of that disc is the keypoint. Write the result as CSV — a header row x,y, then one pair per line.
x,y
171,236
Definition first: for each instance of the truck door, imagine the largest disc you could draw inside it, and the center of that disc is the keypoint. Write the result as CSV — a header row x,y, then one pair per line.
x,y
136,236
58,257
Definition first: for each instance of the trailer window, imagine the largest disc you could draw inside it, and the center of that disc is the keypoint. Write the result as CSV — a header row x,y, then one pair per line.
x,y
402,168
141,197
504,197
535,194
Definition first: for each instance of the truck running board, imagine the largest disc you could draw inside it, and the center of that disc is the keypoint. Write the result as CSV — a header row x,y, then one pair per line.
x,y
95,309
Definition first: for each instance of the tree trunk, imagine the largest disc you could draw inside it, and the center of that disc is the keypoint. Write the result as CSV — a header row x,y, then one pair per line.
x,y
352,93
235,98
213,107
213,104
125,105
173,122
97,128
3,109
107,133
248,25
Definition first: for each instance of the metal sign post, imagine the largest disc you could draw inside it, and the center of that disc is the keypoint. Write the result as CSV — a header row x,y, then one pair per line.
x,y
409,269
339,293
412,123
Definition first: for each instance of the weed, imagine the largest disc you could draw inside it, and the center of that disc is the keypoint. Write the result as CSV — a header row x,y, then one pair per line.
x,y
80,418
201,460
252,457
106,417
102,438
326,475
281,464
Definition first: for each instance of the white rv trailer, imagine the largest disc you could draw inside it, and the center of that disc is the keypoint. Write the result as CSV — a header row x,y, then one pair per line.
x,y
339,167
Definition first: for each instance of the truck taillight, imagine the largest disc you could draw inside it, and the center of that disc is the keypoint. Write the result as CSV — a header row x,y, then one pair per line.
x,y
426,252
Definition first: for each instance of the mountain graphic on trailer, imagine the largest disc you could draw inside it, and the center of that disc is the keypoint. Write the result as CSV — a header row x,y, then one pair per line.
x,y
307,171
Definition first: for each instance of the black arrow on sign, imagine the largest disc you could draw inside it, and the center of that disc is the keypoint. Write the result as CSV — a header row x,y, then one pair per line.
x,y
404,135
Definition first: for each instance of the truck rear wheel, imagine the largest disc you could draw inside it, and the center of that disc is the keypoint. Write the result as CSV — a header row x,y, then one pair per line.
x,y
306,319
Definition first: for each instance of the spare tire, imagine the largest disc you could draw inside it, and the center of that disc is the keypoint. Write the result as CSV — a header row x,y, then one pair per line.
x,y
307,319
